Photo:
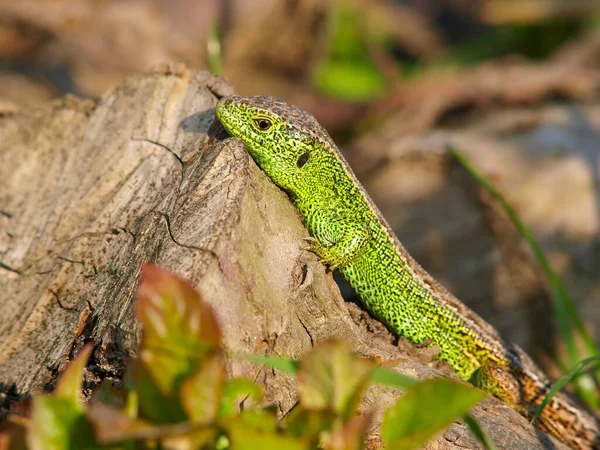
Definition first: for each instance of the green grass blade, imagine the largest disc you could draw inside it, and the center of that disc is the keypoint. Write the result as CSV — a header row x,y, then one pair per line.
x,y
581,367
479,432
289,366
213,50
569,321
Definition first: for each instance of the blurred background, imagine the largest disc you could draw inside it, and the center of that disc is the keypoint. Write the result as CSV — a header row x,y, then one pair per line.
x,y
513,84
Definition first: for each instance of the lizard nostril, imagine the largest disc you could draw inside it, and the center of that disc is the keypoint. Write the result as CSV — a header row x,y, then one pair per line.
x,y
224,101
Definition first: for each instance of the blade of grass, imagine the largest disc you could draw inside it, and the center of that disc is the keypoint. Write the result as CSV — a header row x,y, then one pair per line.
x,y
566,314
289,366
213,49
479,432
580,368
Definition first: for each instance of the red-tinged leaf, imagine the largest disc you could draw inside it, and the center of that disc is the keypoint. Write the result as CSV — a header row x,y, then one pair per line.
x,y
13,435
180,331
425,410
114,427
351,435
21,408
57,420
71,380
173,312
331,377
111,426
236,388
202,391
57,424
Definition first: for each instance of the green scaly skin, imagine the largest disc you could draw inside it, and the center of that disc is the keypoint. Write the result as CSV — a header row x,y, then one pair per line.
x,y
349,233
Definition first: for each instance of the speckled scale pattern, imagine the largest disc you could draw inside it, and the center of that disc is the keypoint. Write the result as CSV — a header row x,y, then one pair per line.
x,y
379,274
350,233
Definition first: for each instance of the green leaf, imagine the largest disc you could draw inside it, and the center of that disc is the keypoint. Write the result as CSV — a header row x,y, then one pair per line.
x,y
349,81
234,389
391,378
153,404
331,377
201,392
348,71
308,424
245,437
70,382
259,419
57,424
57,420
425,410
180,331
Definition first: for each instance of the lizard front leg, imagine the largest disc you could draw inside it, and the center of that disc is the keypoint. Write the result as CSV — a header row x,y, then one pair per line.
x,y
338,237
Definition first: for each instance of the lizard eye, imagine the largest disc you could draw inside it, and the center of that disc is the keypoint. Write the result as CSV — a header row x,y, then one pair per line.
x,y
263,124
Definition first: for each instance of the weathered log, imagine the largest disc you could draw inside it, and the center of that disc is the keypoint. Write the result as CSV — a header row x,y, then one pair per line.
x,y
88,192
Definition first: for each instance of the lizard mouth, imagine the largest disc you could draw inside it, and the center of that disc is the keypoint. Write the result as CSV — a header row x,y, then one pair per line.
x,y
229,117
232,120
222,112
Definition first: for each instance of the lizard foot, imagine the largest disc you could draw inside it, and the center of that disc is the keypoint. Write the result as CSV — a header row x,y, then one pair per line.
x,y
326,256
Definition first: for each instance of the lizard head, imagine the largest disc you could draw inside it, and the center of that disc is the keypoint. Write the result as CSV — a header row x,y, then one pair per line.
x,y
281,138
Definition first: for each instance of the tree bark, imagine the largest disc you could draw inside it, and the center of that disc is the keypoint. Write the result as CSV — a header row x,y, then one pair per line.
x,y
90,191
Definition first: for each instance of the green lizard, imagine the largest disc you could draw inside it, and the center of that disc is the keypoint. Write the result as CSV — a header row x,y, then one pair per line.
x,y
350,234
